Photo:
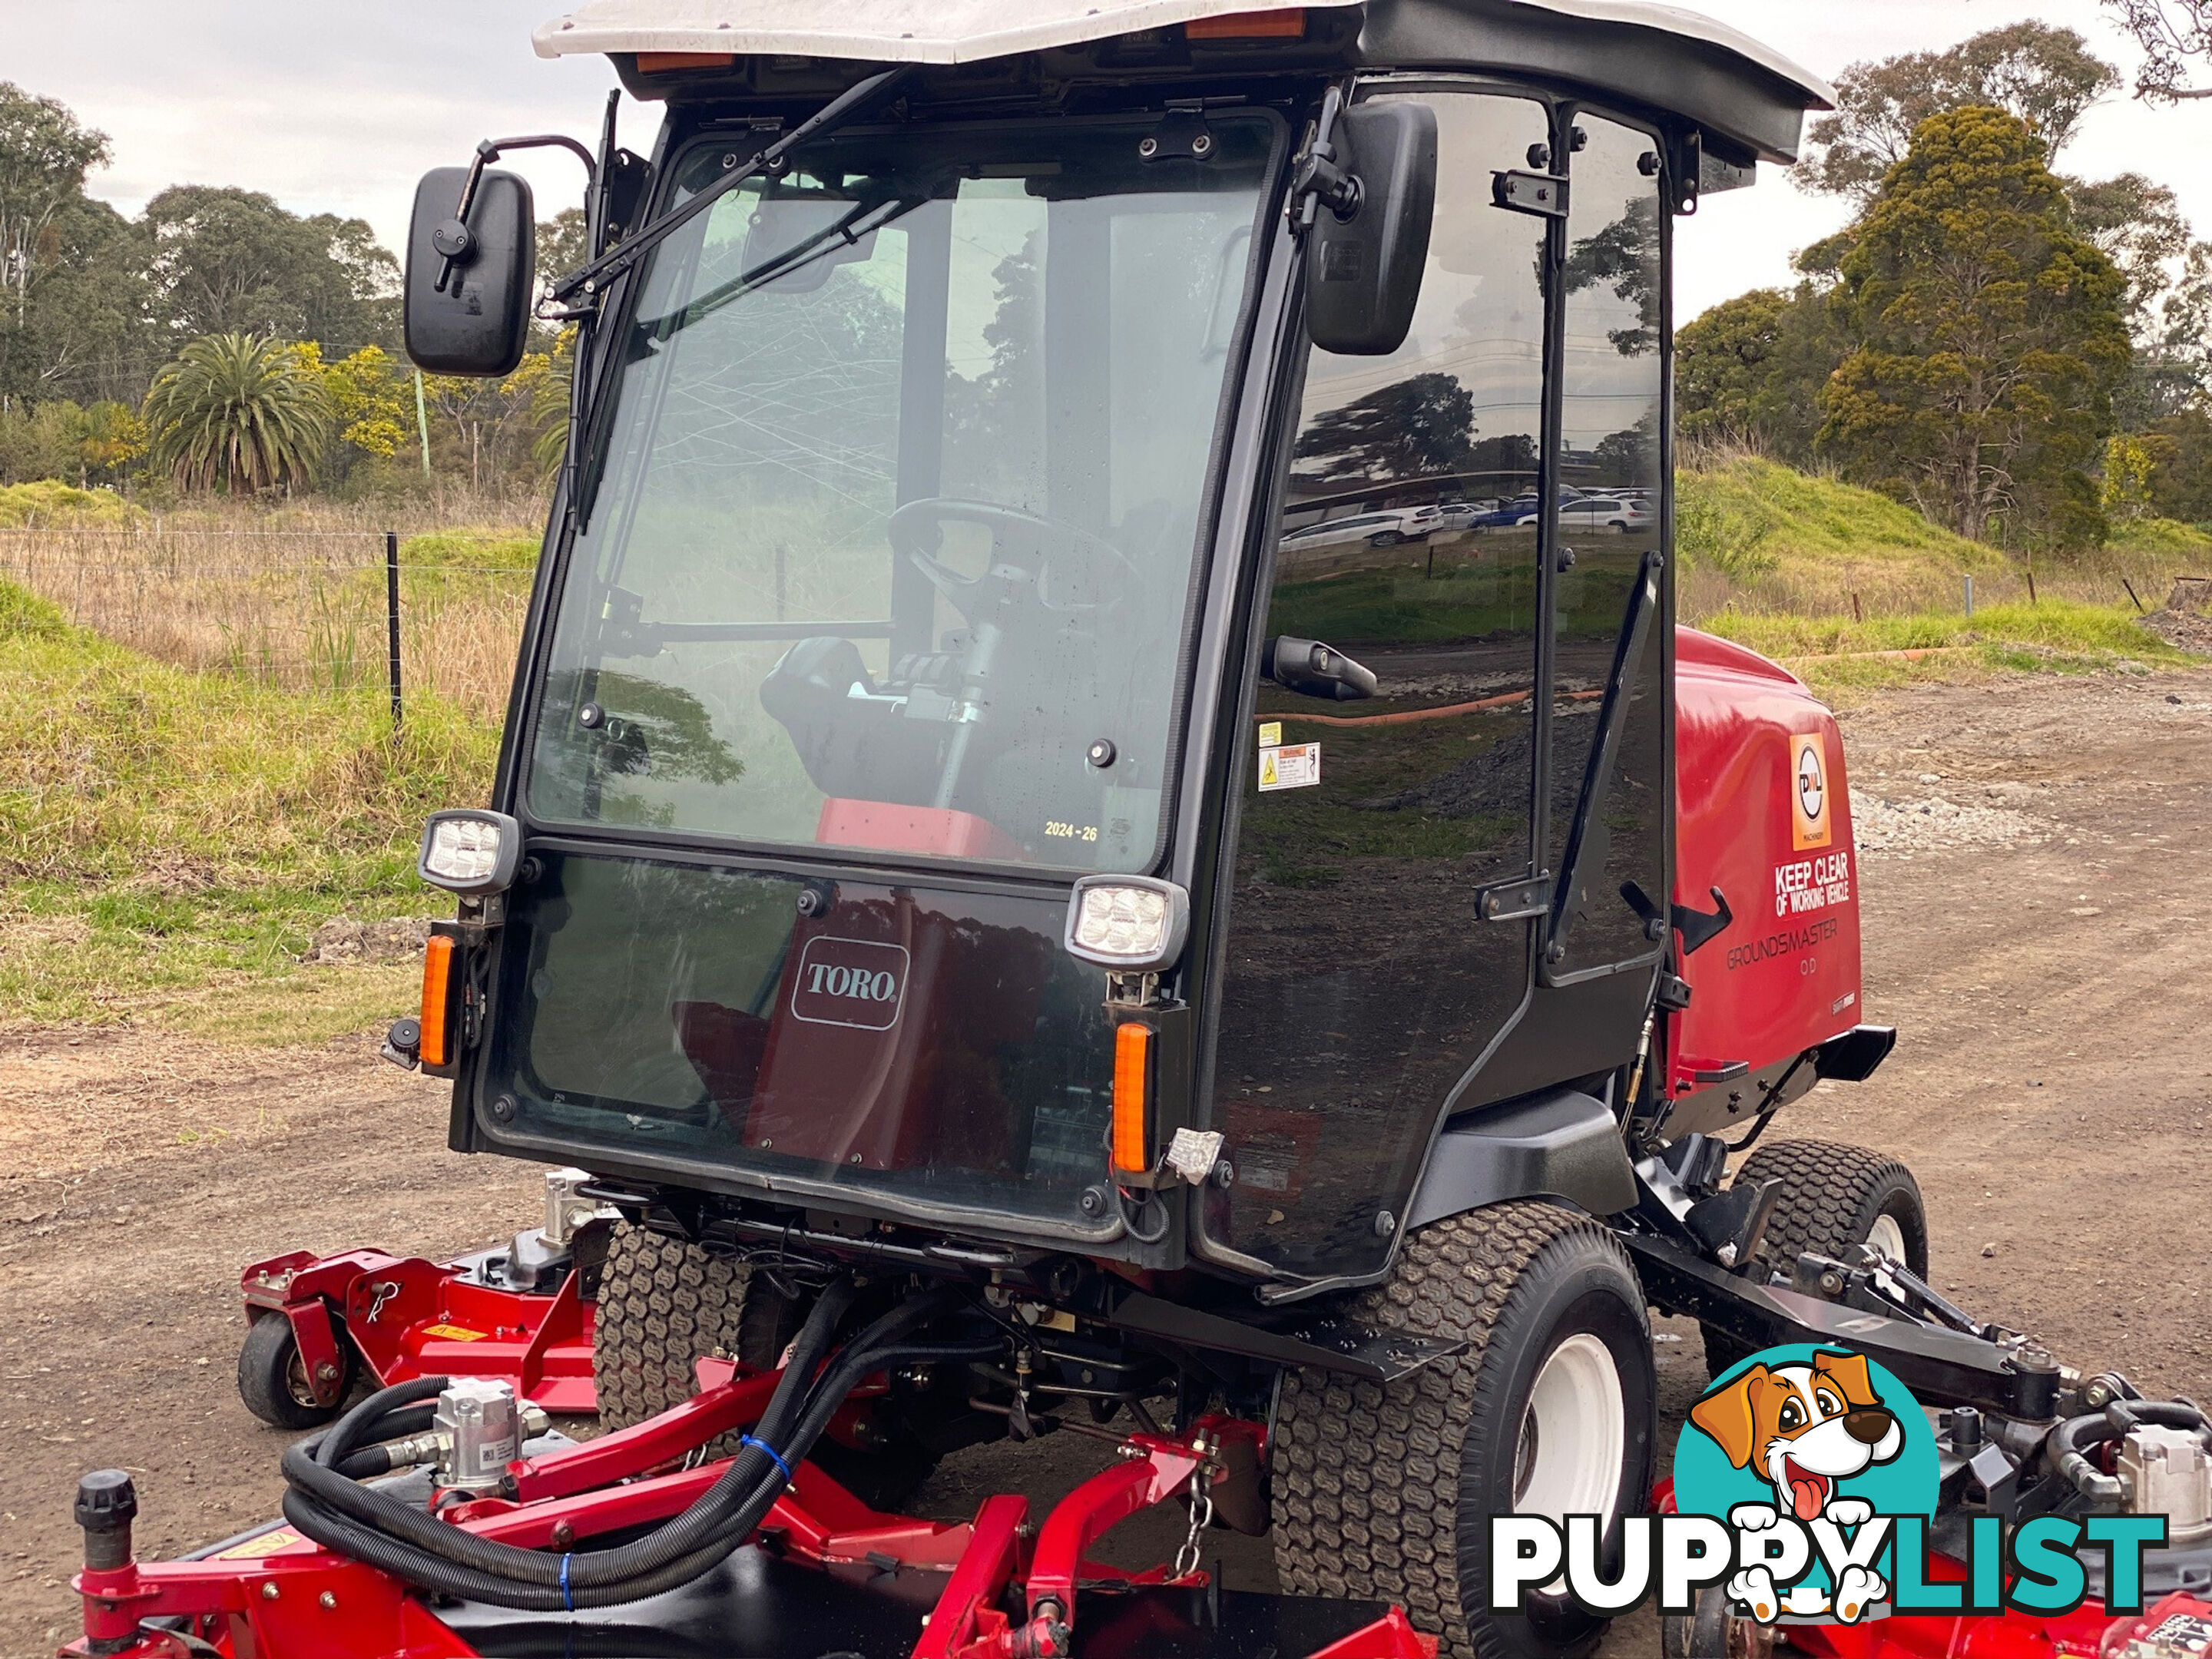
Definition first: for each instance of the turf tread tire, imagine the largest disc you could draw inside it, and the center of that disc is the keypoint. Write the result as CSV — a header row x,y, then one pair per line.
x,y
1832,1195
662,1303
1366,1480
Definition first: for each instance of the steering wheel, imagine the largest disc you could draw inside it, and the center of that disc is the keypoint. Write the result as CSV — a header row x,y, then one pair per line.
x,y
913,529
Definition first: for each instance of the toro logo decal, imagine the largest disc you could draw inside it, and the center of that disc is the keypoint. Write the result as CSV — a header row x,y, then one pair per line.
x,y
1811,824
854,982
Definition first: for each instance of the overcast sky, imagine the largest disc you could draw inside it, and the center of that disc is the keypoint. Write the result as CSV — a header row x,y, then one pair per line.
x,y
334,108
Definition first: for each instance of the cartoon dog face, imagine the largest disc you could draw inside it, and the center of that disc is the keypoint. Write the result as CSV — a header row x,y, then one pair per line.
x,y
1804,1427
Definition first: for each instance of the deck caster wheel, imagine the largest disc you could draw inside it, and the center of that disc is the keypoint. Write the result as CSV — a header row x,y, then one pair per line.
x,y
1833,1197
665,1302
1387,1494
272,1379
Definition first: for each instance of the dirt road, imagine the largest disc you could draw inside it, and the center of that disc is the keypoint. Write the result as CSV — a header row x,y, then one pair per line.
x,y
2038,897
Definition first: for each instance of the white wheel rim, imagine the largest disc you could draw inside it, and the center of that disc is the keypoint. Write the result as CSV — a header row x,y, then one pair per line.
x,y
1574,1436
1887,1236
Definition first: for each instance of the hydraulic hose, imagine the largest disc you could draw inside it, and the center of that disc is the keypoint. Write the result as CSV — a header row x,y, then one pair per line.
x,y
2068,1443
412,1545
318,1489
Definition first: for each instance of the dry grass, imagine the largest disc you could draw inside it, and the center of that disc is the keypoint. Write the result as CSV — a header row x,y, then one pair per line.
x,y
295,598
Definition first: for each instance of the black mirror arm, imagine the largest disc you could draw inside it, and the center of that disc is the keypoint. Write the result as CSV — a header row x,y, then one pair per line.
x,y
1320,182
454,239
594,278
1597,777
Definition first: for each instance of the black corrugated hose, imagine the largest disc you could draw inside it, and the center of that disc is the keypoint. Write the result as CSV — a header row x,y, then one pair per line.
x,y
414,1546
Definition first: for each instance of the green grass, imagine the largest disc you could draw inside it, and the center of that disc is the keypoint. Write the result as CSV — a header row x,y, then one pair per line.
x,y
51,501
169,842
2164,537
1804,516
2055,635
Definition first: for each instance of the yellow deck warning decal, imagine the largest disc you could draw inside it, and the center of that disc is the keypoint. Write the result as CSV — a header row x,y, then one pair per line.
x,y
1811,820
453,1333
261,1544
1271,735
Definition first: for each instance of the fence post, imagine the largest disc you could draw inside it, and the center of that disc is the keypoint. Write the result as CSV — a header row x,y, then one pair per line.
x,y
423,423
1970,597
392,619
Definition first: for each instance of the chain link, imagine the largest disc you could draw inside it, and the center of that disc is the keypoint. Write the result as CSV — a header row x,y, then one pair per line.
x,y
1201,1517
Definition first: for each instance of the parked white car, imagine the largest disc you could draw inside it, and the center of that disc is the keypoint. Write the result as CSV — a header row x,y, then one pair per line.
x,y
1387,528
1618,514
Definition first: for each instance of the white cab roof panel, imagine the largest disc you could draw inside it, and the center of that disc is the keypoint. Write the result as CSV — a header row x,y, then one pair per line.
x,y
969,31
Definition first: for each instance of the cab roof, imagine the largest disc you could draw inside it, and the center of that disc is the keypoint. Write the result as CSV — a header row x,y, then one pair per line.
x,y
1661,57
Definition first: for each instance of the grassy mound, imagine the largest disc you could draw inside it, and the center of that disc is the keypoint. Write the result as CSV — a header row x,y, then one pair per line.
x,y
52,502
169,841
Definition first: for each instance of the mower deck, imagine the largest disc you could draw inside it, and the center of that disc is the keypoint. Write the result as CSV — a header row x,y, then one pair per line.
x,y
823,1573
409,1317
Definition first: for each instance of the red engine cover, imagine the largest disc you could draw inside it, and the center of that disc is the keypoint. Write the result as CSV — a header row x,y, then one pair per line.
x,y
1764,814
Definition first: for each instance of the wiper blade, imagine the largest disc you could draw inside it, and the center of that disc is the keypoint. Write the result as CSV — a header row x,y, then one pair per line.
x,y
593,279
1587,840
846,232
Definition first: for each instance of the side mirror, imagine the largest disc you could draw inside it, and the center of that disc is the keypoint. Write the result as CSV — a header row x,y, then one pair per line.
x,y
1313,670
1364,268
467,295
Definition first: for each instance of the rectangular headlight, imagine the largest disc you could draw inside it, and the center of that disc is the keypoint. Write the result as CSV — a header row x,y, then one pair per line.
x,y
1130,923
471,851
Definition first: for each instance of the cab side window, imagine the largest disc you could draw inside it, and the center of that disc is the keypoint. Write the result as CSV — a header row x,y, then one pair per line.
x,y
1359,986
1608,518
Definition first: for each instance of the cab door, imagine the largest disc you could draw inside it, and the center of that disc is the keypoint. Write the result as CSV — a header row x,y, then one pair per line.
x,y
1360,987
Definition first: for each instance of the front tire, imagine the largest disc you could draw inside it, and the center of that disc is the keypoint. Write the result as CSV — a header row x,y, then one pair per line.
x,y
1387,1494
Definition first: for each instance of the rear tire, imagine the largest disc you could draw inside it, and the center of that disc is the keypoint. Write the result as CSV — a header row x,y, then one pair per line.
x,y
1833,1197
664,1304
272,1379
1552,1404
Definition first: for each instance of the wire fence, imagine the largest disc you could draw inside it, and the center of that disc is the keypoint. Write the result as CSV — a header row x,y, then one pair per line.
x,y
317,611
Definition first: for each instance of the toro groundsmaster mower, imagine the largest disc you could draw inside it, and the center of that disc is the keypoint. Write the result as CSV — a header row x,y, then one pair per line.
x,y
1104,829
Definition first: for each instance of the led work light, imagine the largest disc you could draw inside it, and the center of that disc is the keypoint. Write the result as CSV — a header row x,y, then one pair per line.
x,y
471,851
1131,923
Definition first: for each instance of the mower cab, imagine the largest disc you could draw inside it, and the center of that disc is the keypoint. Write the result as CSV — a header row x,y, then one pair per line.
x,y
1034,736
1104,828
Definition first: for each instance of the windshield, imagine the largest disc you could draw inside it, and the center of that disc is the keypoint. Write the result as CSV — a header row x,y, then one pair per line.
x,y
888,542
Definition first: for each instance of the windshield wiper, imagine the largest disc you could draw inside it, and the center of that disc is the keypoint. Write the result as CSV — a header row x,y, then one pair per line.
x,y
593,279
845,233
1588,839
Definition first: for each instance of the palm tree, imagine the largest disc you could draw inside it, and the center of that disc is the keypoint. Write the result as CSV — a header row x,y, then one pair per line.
x,y
239,410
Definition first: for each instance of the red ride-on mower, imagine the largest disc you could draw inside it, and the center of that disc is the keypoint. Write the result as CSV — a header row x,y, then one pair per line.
x,y
1030,942
523,1316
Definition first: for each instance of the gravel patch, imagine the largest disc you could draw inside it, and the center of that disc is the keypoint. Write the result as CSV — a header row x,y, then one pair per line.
x,y
1900,829
344,940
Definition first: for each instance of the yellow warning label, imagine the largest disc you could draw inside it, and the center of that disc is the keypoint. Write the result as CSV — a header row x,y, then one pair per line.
x,y
1811,820
1297,766
1271,735
261,1544
453,1333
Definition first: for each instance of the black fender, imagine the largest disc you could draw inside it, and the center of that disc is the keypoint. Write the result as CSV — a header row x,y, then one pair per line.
x,y
1563,1145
